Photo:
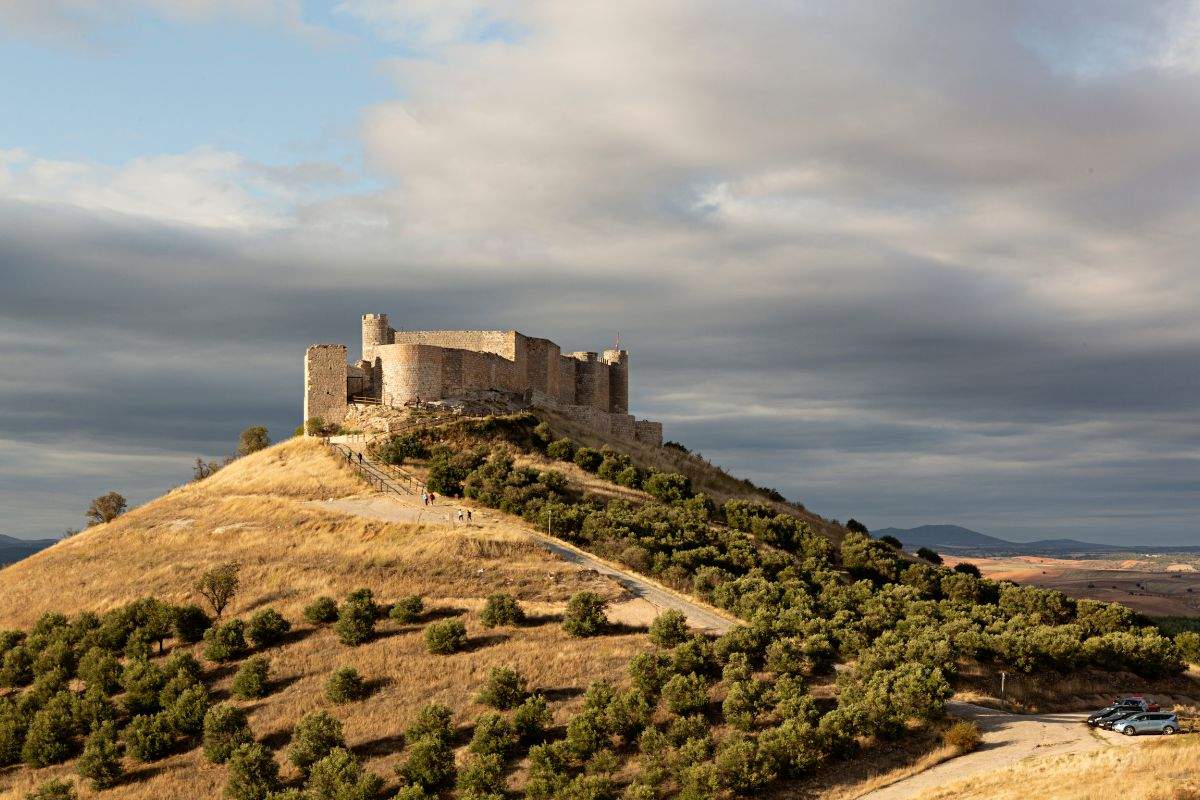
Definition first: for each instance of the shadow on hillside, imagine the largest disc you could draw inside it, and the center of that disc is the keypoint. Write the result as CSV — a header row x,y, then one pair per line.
x,y
444,612
538,620
371,687
623,629
380,746
476,643
145,772
277,740
298,634
561,693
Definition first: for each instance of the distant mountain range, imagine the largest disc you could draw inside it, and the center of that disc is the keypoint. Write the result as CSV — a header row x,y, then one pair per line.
x,y
959,540
12,549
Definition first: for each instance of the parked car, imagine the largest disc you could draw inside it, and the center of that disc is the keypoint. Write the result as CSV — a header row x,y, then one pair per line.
x,y
1163,723
1139,701
1109,712
1107,722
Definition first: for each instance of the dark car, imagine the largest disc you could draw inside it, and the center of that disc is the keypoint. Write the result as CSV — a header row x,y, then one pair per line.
x,y
1110,711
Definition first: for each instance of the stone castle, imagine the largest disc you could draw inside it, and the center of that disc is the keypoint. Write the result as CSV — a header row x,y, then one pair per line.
x,y
408,368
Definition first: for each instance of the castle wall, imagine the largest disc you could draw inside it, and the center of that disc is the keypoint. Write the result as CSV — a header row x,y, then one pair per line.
x,y
648,431
502,343
325,374
410,371
566,380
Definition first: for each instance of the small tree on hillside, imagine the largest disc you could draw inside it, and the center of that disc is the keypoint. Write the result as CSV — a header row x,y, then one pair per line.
x,y
315,735
585,615
252,440
105,508
218,586
101,759
929,555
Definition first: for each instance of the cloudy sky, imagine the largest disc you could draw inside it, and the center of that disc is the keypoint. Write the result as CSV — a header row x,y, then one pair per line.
x,y
912,262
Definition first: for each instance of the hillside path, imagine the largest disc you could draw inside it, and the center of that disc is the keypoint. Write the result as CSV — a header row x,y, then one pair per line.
x,y
399,508
1007,739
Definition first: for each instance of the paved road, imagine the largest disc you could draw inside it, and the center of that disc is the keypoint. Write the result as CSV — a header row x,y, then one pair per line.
x,y
1007,739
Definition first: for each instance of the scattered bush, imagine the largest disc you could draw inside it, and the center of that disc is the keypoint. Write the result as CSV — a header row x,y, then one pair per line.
x,y
48,740
669,487
585,615
482,777
99,669
105,508
505,689
669,629
493,735
340,776
253,439
430,763
433,721
399,449
531,719
407,609
226,642
967,568
501,609
445,636
313,738
561,449
100,763
345,685
187,713
686,694
962,736
250,682
148,738
929,555
225,728
321,611
53,789
588,459
267,628
356,619
253,773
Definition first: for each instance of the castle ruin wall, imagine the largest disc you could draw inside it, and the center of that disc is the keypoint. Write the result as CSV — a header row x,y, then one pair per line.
x,y
325,382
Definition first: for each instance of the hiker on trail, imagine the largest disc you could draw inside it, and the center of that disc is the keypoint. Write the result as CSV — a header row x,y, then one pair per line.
x,y
468,515
432,498
460,515
424,497
360,458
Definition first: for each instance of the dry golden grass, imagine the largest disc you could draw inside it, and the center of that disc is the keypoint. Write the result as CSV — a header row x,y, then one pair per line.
x,y
257,512
1166,769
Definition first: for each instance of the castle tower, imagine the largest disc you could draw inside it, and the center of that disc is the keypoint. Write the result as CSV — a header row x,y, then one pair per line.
x,y
375,331
618,380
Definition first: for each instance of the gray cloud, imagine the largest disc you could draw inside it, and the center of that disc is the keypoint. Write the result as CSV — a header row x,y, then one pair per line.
x,y
904,271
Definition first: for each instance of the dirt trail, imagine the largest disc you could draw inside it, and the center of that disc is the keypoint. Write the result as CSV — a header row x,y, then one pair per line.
x,y
1007,739
651,596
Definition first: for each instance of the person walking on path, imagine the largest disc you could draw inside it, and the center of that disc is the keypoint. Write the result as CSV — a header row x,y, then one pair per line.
x,y
424,497
468,515
460,515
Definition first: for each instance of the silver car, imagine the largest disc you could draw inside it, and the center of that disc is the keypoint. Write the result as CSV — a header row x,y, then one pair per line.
x,y
1163,723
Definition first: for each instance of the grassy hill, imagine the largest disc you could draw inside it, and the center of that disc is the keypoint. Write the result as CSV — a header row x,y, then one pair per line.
x,y
760,711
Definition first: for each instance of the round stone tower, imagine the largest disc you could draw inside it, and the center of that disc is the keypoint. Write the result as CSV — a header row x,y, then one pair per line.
x,y
375,331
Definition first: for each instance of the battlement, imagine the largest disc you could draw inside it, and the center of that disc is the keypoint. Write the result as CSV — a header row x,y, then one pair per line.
x,y
401,368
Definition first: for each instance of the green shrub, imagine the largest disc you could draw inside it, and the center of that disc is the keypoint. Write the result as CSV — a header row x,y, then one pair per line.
x,y
225,728
929,555
429,764
321,611
92,709
186,714
190,622
408,609
53,789
588,459
686,694
561,449
411,792
267,628
669,629
345,685
628,713
17,669
445,636
340,776
313,738
863,556
225,642
586,734
962,736
531,719
505,689
1188,643
250,682
100,763
741,704
399,449
669,487
649,671
694,655
432,721
148,738
48,740
501,609
99,669
740,767
493,736
356,620
13,725
481,776
183,663
585,615
967,568
253,773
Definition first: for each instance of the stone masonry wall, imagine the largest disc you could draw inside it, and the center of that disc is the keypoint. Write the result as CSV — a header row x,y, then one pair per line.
x,y
325,373
648,431
618,380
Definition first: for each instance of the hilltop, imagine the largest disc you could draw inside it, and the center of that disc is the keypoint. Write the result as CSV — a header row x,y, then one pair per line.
x,y
835,665
957,539
14,549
